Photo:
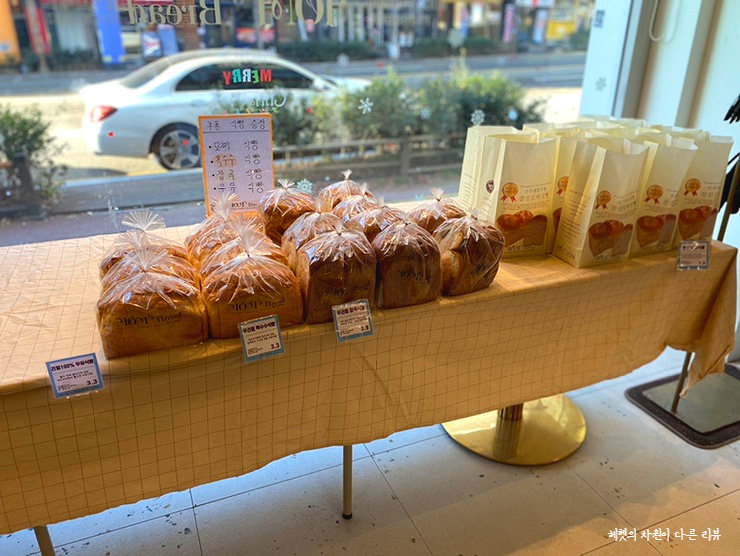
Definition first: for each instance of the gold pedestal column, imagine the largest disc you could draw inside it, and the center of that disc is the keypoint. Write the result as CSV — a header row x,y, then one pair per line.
x,y
534,433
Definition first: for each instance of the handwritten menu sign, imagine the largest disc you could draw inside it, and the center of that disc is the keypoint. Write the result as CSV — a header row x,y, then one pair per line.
x,y
237,157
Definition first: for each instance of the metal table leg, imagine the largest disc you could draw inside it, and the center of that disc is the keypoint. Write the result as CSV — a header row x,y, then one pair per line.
x,y
347,482
534,433
44,540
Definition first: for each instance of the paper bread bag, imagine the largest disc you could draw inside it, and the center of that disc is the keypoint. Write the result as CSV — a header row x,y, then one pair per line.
x,y
701,193
600,205
520,193
657,205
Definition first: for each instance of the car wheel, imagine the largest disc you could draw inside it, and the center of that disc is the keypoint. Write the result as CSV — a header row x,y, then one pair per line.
x,y
177,147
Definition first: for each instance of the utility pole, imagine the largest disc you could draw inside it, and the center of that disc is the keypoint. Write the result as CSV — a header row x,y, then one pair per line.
x,y
34,25
256,7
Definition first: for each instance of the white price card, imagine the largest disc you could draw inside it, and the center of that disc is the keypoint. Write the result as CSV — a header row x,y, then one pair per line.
x,y
75,375
261,338
352,320
693,255
236,154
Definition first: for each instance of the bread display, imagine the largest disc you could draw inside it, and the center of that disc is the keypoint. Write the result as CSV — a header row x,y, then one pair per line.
x,y
696,223
409,267
334,268
150,311
375,220
247,287
220,227
431,214
354,205
147,259
282,206
331,195
470,254
304,229
247,240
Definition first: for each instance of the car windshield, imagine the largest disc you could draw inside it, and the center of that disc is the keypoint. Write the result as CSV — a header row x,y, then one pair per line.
x,y
145,74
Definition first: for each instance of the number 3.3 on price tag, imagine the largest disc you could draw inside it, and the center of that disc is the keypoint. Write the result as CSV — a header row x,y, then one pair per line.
x,y
75,375
261,338
352,320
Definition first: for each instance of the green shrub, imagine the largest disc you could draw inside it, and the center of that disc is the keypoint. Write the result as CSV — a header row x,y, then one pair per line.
x,y
430,48
481,45
294,121
26,132
393,109
579,40
326,51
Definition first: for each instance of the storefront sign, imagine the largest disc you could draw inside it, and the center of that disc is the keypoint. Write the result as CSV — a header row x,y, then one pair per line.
x,y
352,320
237,157
75,375
261,338
693,255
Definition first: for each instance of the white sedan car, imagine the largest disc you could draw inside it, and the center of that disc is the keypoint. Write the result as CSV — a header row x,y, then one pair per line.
x,y
155,109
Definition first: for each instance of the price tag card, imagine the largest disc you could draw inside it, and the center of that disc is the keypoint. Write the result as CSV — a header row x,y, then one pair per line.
x,y
693,255
75,375
352,320
261,338
236,154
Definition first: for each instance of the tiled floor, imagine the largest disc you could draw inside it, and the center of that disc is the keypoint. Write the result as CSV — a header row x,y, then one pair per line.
x,y
419,493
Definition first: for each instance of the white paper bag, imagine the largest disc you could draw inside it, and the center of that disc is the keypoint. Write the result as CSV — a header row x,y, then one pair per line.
x,y
600,205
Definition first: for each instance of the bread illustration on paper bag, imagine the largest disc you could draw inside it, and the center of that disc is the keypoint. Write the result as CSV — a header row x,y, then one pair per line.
x,y
697,223
610,234
522,225
655,229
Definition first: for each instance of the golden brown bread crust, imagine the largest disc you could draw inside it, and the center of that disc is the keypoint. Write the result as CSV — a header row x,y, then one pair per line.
x,y
354,205
281,207
255,243
140,261
130,241
334,268
250,287
214,231
470,254
148,312
304,229
374,221
333,194
409,266
430,214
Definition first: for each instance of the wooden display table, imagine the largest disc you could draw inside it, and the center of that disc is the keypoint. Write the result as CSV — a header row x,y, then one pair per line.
x,y
174,419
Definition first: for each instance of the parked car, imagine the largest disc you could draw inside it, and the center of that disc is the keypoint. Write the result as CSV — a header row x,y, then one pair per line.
x,y
155,109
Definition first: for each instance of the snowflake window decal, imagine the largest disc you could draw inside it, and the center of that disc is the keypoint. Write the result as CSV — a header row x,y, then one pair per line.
x,y
425,114
366,106
477,117
305,186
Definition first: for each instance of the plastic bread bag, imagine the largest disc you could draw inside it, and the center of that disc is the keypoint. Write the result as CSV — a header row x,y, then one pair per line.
x,y
247,287
142,227
431,214
247,240
333,268
304,229
408,266
355,204
470,254
150,311
331,195
144,258
280,208
218,228
375,220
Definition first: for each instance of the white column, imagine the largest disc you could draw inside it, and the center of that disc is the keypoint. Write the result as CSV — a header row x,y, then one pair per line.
x,y
351,23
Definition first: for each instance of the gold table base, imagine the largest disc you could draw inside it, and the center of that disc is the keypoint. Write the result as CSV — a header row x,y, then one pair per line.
x,y
534,433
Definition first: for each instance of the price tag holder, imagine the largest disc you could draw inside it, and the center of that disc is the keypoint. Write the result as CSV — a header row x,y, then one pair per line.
x,y
261,338
352,320
236,151
75,375
693,255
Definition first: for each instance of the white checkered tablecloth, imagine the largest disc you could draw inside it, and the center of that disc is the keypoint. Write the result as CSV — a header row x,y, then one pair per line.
x,y
173,419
